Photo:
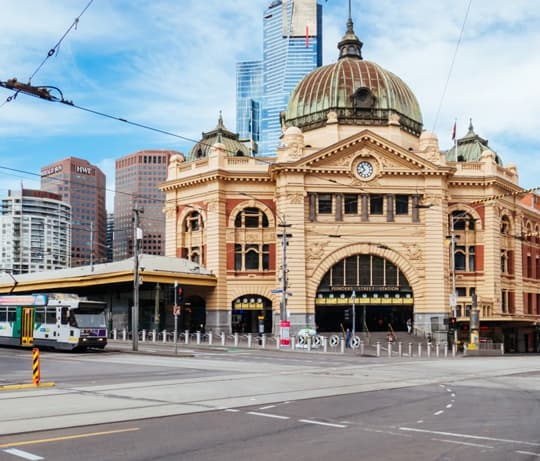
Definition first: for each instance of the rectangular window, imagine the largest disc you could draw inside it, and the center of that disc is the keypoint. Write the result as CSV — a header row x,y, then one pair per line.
x,y
50,316
324,203
402,204
376,204
351,204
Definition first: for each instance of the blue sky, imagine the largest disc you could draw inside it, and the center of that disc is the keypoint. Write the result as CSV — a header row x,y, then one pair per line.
x,y
170,64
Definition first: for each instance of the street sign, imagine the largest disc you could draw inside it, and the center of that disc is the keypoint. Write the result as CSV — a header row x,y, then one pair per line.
x,y
277,290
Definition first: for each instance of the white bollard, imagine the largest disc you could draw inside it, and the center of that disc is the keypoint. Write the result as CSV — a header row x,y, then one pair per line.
x,y
324,344
263,341
223,338
454,350
309,343
186,336
293,341
389,349
249,338
143,336
210,338
419,349
410,349
445,345
378,349
400,349
502,347
115,334
124,334
164,338
362,347
278,342
153,336
198,336
428,349
236,340
437,352
342,346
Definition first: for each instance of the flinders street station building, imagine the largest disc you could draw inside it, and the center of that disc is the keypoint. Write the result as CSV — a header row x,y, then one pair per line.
x,y
358,217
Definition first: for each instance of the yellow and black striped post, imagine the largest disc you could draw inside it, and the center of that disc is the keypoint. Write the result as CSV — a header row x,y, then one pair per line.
x,y
35,366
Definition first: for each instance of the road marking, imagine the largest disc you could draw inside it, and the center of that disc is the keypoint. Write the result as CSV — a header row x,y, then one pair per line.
x,y
469,444
437,413
267,407
468,436
449,405
268,415
420,421
530,453
232,410
321,423
67,437
23,454
453,395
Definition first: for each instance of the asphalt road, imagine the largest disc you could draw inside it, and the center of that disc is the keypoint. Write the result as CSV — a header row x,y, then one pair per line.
x,y
268,406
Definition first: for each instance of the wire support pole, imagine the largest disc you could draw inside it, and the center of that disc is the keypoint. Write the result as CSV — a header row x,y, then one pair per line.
x,y
137,237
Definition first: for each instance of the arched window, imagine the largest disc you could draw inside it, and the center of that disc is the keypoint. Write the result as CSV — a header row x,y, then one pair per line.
x,y
251,217
193,237
193,222
252,255
463,226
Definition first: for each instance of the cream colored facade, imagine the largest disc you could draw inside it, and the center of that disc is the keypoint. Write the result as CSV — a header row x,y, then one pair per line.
x,y
402,214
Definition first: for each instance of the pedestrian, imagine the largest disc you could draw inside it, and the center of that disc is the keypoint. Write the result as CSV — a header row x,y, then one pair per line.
x,y
409,325
348,336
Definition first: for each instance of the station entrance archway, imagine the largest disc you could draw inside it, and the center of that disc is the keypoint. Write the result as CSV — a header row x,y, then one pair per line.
x,y
374,287
251,314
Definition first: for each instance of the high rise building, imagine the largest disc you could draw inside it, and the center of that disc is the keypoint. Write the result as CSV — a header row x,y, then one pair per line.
x,y
292,47
35,232
82,185
137,178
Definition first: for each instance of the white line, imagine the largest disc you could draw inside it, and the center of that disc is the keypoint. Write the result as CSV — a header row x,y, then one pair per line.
x,y
437,413
23,454
452,395
420,421
530,453
267,407
467,436
268,415
449,405
449,390
320,423
232,410
469,444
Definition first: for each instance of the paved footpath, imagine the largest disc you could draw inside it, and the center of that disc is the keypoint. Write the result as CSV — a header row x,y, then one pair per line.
x,y
230,383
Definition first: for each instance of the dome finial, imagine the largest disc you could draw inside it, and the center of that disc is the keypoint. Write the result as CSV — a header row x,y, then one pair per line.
x,y
471,127
350,45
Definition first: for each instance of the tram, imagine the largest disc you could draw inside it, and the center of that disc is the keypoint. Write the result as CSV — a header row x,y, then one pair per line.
x,y
53,320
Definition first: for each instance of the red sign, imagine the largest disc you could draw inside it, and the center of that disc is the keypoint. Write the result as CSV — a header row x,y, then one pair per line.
x,y
284,328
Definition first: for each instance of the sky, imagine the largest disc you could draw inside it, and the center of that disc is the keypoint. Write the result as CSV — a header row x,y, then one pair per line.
x,y
170,64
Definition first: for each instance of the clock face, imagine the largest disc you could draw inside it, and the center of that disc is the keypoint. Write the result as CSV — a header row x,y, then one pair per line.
x,y
364,169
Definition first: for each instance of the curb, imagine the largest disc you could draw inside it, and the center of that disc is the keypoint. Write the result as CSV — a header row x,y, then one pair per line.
x,y
13,387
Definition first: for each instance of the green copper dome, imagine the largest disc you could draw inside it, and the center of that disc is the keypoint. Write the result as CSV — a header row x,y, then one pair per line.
x,y
359,92
470,148
232,145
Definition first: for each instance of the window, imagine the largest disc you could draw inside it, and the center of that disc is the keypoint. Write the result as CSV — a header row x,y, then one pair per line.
x,y
251,257
50,316
402,204
193,221
324,203
350,203
252,218
465,258
376,204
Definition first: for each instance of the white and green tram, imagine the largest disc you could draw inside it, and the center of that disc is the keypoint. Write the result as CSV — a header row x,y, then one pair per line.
x,y
53,320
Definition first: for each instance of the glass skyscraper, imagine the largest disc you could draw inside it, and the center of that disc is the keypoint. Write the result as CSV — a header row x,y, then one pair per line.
x,y
292,47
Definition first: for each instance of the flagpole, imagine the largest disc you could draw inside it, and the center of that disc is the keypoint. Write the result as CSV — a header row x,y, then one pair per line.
x,y
454,137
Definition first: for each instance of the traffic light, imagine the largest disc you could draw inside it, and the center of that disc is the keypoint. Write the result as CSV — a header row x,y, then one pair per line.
x,y
452,322
179,295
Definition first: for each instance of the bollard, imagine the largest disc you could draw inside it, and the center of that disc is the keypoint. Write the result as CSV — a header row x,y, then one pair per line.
x,y
236,340
210,338
502,348
389,349
362,347
278,341
445,345
453,350
143,336
437,352
293,341
198,336
249,338
378,349
35,366
410,349
124,334
154,334
263,341
309,343
223,338
115,334
428,349
164,339
400,349
419,349
186,336
324,344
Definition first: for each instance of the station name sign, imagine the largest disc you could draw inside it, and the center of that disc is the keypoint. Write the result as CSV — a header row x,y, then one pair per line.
x,y
84,170
51,170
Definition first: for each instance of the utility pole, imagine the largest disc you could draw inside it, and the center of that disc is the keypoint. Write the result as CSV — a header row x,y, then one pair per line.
x,y
137,237
453,295
353,298
284,285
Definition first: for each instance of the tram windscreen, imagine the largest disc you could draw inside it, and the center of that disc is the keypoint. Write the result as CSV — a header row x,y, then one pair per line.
x,y
90,316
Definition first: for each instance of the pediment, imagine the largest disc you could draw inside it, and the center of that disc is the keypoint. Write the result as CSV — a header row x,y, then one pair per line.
x,y
345,154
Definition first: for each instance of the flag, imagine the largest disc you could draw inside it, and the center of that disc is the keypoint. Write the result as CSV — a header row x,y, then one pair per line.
x,y
454,132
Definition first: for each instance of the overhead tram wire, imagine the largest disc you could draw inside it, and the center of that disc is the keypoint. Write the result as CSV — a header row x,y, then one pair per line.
x,y
451,67
52,51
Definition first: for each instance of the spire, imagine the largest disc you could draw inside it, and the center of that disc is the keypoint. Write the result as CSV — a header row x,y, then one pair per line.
x,y
350,45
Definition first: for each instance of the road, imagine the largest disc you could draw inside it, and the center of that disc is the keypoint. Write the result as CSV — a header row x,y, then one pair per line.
x,y
267,405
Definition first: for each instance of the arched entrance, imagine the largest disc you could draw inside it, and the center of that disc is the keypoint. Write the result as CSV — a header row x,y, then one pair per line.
x,y
366,289
251,314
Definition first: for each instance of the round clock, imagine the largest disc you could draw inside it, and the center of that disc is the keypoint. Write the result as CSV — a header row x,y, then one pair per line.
x,y
364,169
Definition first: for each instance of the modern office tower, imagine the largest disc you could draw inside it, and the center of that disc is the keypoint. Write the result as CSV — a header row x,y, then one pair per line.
x,y
82,185
35,232
110,233
249,91
292,47
137,178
